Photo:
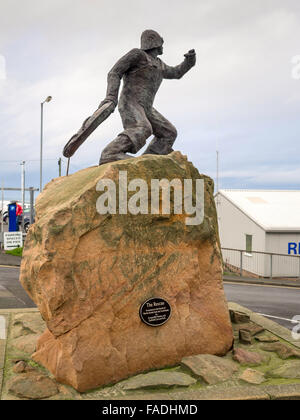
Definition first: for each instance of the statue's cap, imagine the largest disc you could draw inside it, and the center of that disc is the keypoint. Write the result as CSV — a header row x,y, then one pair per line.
x,y
151,39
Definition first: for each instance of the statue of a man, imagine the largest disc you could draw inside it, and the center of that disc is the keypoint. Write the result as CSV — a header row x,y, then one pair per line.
x,y
142,73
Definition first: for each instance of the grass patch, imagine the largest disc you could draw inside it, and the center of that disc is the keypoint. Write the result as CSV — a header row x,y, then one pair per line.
x,y
230,273
16,252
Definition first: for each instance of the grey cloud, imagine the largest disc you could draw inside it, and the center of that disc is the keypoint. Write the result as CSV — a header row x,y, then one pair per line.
x,y
240,98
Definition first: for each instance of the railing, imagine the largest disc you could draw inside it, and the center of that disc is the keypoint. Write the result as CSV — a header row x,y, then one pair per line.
x,y
260,264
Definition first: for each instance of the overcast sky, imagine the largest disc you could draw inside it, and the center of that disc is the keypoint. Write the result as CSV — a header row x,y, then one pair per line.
x,y
240,98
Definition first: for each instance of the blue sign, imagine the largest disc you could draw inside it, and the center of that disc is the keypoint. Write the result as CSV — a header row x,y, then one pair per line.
x,y
12,214
294,248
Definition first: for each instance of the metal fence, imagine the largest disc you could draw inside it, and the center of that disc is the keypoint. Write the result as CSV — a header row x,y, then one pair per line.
x,y
260,264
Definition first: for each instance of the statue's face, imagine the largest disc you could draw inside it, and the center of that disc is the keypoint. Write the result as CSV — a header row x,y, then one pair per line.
x,y
156,51
160,50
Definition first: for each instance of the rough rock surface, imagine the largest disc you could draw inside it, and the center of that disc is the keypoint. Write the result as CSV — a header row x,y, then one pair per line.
x,y
290,370
252,376
32,386
249,358
266,338
26,324
211,369
252,328
239,317
245,337
159,378
26,343
89,273
283,351
21,367
26,329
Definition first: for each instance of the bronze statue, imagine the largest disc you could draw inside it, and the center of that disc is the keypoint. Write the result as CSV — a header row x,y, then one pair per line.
x,y
142,73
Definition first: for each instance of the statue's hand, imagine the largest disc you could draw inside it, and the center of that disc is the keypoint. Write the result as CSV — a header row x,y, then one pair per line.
x,y
191,57
108,101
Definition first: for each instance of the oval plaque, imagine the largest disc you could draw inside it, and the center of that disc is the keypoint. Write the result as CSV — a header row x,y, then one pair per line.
x,y
155,312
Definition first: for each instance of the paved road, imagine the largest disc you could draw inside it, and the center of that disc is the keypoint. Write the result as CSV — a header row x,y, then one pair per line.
x,y
281,304
12,294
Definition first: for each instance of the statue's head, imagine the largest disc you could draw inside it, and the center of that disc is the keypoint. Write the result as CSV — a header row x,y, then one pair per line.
x,y
150,40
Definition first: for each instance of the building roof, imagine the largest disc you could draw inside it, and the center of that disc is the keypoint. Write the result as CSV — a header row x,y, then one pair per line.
x,y
273,210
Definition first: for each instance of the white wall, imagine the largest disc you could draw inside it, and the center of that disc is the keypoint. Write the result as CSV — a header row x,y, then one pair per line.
x,y
234,225
278,244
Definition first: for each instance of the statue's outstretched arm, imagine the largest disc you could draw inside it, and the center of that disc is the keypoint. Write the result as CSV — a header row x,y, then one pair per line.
x,y
116,73
178,71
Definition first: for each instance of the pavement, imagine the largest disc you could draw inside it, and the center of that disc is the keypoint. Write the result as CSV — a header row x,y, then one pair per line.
x,y
11,260
263,281
12,294
281,304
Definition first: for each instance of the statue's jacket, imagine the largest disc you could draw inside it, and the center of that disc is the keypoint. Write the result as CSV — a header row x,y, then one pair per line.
x,y
142,75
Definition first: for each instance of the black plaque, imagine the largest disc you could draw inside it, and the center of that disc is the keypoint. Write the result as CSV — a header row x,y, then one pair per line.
x,y
155,312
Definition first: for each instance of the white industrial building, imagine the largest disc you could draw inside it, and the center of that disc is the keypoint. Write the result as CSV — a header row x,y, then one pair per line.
x,y
260,222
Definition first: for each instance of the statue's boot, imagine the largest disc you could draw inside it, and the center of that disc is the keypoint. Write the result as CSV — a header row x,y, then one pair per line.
x,y
117,150
160,146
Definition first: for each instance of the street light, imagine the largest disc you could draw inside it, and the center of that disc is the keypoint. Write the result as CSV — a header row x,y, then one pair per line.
x,y
48,99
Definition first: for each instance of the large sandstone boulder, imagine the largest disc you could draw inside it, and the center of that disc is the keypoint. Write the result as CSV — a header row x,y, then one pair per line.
x,y
89,274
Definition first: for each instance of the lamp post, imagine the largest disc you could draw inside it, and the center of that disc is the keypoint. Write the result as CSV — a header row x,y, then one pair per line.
x,y
23,192
48,99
